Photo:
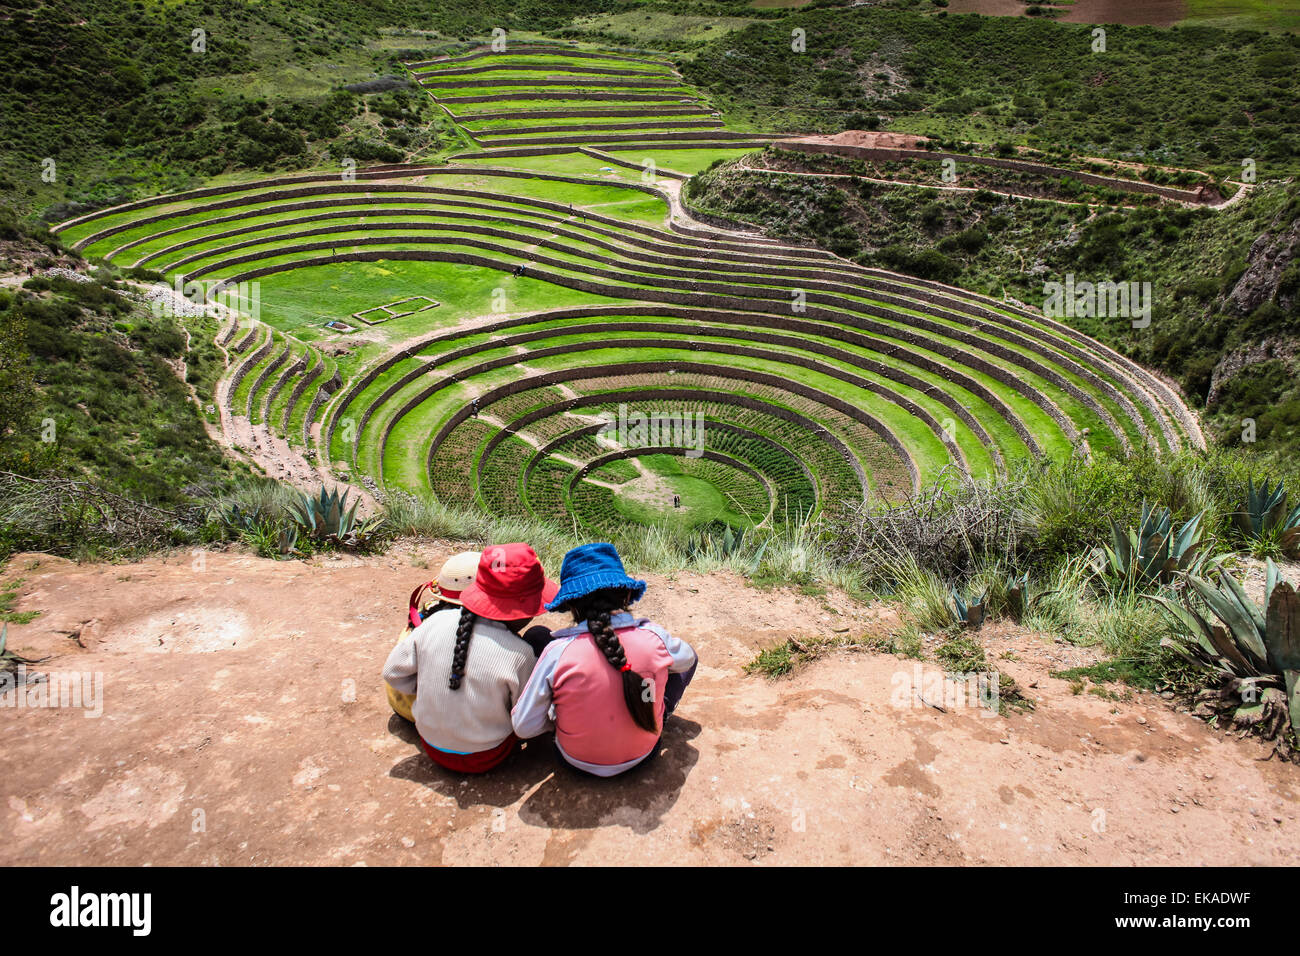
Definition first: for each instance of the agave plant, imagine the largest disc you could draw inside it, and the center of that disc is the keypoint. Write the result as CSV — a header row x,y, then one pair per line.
x,y
287,540
1253,652
757,560
238,519
1018,596
327,518
969,613
326,515
1265,521
724,545
1152,553
9,662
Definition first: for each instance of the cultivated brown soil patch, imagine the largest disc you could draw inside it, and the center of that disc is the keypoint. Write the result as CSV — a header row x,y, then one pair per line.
x,y
244,722
872,138
1156,13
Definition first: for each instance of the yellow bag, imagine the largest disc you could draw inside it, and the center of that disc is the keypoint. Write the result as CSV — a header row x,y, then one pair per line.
x,y
401,703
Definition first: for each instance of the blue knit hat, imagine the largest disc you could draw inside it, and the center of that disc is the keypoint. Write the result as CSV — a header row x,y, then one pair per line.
x,y
591,567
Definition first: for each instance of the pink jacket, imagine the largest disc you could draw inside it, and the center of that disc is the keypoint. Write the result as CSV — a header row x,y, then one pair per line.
x,y
574,690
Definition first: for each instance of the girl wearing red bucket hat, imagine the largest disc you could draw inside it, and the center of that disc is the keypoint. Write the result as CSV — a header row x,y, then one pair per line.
x,y
607,684
474,665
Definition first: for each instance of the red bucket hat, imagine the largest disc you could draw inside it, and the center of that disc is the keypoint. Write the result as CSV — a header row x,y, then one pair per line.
x,y
510,584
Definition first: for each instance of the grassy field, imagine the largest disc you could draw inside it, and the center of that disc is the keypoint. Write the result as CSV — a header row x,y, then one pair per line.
x,y
661,27
1278,15
300,300
606,101
702,502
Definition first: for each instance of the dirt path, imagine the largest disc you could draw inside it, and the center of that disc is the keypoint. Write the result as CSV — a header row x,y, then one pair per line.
x,y
648,487
872,139
244,723
1243,190
745,167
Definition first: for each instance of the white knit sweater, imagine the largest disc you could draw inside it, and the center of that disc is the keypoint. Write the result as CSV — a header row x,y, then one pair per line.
x,y
475,717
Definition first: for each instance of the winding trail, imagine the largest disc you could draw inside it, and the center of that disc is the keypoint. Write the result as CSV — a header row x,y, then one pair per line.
x,y
745,164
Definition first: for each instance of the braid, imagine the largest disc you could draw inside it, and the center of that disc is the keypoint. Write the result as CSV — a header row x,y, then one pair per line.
x,y
596,609
607,639
464,631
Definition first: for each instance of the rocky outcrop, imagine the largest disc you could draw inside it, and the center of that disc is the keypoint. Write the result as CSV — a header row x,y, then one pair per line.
x,y
1270,256
1232,364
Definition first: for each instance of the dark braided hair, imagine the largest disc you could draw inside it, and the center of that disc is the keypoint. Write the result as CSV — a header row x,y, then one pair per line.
x,y
596,609
464,631
433,609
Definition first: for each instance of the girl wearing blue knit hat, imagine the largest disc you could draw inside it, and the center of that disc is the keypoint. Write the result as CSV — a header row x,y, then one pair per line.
x,y
607,684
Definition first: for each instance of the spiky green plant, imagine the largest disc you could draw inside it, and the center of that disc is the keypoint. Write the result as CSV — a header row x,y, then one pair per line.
x,y
1150,554
715,544
1265,522
923,596
1059,602
287,540
239,520
969,614
326,515
327,518
1252,652
1017,596
272,540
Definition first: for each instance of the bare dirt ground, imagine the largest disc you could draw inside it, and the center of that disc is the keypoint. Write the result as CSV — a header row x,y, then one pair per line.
x,y
1156,13
244,722
875,139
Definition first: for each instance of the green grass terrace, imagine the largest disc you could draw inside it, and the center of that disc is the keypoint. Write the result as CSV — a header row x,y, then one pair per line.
x,y
472,331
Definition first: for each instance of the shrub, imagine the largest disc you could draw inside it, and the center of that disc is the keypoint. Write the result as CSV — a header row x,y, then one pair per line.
x,y
1149,554
1265,523
1250,653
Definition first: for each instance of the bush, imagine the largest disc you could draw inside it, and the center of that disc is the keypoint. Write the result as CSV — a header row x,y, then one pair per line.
x,y
926,264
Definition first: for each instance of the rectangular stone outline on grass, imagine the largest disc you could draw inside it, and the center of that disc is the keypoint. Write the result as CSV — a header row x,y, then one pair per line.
x,y
390,314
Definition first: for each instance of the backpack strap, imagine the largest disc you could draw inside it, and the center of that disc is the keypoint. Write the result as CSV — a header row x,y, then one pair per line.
x,y
414,617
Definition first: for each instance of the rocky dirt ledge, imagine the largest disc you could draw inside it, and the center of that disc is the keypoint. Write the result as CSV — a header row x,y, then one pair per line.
x,y
244,722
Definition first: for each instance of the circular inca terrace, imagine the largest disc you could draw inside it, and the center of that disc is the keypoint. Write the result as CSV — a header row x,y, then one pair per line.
x,y
570,358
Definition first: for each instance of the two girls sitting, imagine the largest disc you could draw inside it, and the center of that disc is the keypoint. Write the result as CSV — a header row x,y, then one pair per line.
x,y
605,685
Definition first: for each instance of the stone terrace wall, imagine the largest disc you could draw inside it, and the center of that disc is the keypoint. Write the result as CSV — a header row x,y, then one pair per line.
x,y
516,48
681,291
626,368
299,387
666,394
1019,165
